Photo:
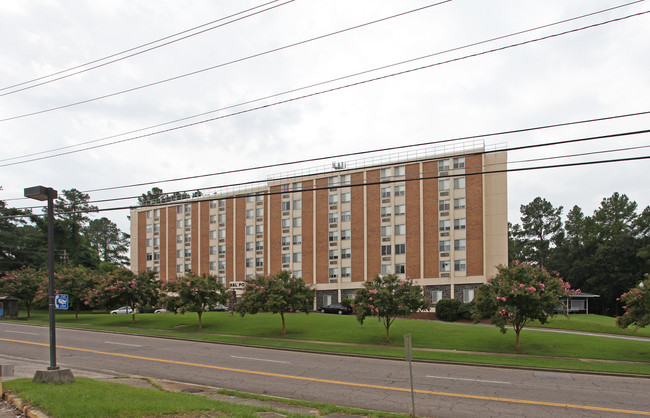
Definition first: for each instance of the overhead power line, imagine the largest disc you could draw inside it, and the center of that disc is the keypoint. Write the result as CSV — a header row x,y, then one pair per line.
x,y
418,178
428,158
299,88
138,47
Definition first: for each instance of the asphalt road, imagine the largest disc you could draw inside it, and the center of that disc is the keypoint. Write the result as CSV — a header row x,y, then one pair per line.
x,y
441,390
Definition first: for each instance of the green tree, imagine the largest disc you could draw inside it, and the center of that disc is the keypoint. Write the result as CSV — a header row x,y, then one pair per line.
x,y
124,287
13,251
279,293
518,294
104,236
637,306
516,243
71,209
388,297
541,225
151,197
78,283
194,293
26,284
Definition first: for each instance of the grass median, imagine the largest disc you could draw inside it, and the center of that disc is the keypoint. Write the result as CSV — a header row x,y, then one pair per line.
x,y
432,340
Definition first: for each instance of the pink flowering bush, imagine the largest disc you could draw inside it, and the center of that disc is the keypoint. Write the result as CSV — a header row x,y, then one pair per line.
x,y
80,284
387,298
518,294
194,293
123,287
637,305
279,293
26,284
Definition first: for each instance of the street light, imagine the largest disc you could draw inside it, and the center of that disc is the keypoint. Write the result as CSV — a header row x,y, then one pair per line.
x,y
54,374
47,193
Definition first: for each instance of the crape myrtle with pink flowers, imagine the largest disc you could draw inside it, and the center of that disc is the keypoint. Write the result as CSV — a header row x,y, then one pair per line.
x,y
194,293
637,305
278,293
387,298
518,294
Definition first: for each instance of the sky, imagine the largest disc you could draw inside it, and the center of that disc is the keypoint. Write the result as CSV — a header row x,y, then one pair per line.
x,y
295,79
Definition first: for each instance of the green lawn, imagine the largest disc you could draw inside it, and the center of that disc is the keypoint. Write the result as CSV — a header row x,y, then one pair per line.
x,y
107,399
432,340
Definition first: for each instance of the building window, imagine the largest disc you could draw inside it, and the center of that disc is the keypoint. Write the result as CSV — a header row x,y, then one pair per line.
x,y
286,223
222,265
386,231
443,184
445,245
333,217
179,253
156,242
400,249
398,171
188,267
385,211
179,268
213,204
222,217
346,271
212,249
149,256
259,212
459,265
179,209
259,262
286,240
259,198
346,234
400,268
445,225
459,182
296,186
213,234
249,246
249,213
297,257
334,254
443,165
148,228
332,181
188,222
436,295
188,207
249,262
286,258
297,273
179,224
346,252
222,233
333,199
213,219
213,265
250,230
386,269
459,162
459,223
259,245
445,265
385,192
400,229
459,245
443,204
284,188
345,216
400,210
222,249
259,229
297,239
179,238
333,236
468,295
297,222
297,204
400,190
333,272
188,252
345,180
459,203
188,238
386,249
345,197
222,203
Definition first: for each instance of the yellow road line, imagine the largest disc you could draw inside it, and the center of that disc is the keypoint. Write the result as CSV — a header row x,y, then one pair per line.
x,y
342,383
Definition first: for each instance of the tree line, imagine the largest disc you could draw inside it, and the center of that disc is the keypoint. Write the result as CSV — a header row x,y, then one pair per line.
x,y
606,253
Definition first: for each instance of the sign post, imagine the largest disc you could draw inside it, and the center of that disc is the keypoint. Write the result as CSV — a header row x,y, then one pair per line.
x,y
407,347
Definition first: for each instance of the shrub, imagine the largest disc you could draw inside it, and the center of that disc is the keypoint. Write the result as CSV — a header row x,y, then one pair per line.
x,y
465,310
447,309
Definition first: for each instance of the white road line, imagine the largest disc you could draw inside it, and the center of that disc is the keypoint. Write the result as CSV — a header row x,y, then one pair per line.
x,y
260,359
22,332
470,380
130,345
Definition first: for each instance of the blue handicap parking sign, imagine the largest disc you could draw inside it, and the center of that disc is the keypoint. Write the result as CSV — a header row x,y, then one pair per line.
x,y
61,302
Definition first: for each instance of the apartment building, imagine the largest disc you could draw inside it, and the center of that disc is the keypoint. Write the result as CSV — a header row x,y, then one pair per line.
x,y
440,219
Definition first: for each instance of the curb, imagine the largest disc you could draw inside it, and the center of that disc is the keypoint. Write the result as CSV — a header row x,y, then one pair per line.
x,y
24,407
